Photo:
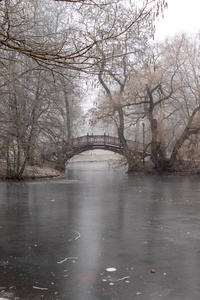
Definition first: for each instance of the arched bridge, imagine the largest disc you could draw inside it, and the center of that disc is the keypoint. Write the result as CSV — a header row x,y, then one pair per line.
x,y
105,142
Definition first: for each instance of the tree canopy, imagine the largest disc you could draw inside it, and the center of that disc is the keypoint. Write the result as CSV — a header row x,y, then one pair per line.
x,y
68,43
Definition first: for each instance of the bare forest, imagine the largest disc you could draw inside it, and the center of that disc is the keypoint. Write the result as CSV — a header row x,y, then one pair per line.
x,y
55,52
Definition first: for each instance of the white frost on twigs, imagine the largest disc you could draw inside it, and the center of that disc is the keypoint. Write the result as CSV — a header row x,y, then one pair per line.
x,y
60,262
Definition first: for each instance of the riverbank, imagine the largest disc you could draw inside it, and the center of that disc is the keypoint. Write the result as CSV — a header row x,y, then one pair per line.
x,y
33,172
182,168
48,171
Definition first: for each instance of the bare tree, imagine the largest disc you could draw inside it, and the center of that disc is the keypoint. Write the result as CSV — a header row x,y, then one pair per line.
x,y
34,114
168,91
164,93
115,63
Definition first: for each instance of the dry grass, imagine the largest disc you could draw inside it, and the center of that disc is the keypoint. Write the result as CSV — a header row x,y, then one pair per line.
x,y
32,172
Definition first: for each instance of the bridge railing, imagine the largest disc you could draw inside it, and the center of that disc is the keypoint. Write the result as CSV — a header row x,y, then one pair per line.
x,y
95,140
103,140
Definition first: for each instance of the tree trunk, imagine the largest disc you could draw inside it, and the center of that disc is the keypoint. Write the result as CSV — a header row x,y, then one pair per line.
x,y
157,154
68,117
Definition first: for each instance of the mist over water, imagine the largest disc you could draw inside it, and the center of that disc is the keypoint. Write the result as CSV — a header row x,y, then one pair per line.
x,y
98,234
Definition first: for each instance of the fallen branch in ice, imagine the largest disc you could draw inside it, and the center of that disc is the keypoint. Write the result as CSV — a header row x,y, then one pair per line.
x,y
39,288
60,262
123,278
79,235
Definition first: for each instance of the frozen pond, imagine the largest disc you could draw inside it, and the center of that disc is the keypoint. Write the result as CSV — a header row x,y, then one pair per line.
x,y
100,234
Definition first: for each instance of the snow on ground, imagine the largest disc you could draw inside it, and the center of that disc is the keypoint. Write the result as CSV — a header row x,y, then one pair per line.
x,y
95,155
